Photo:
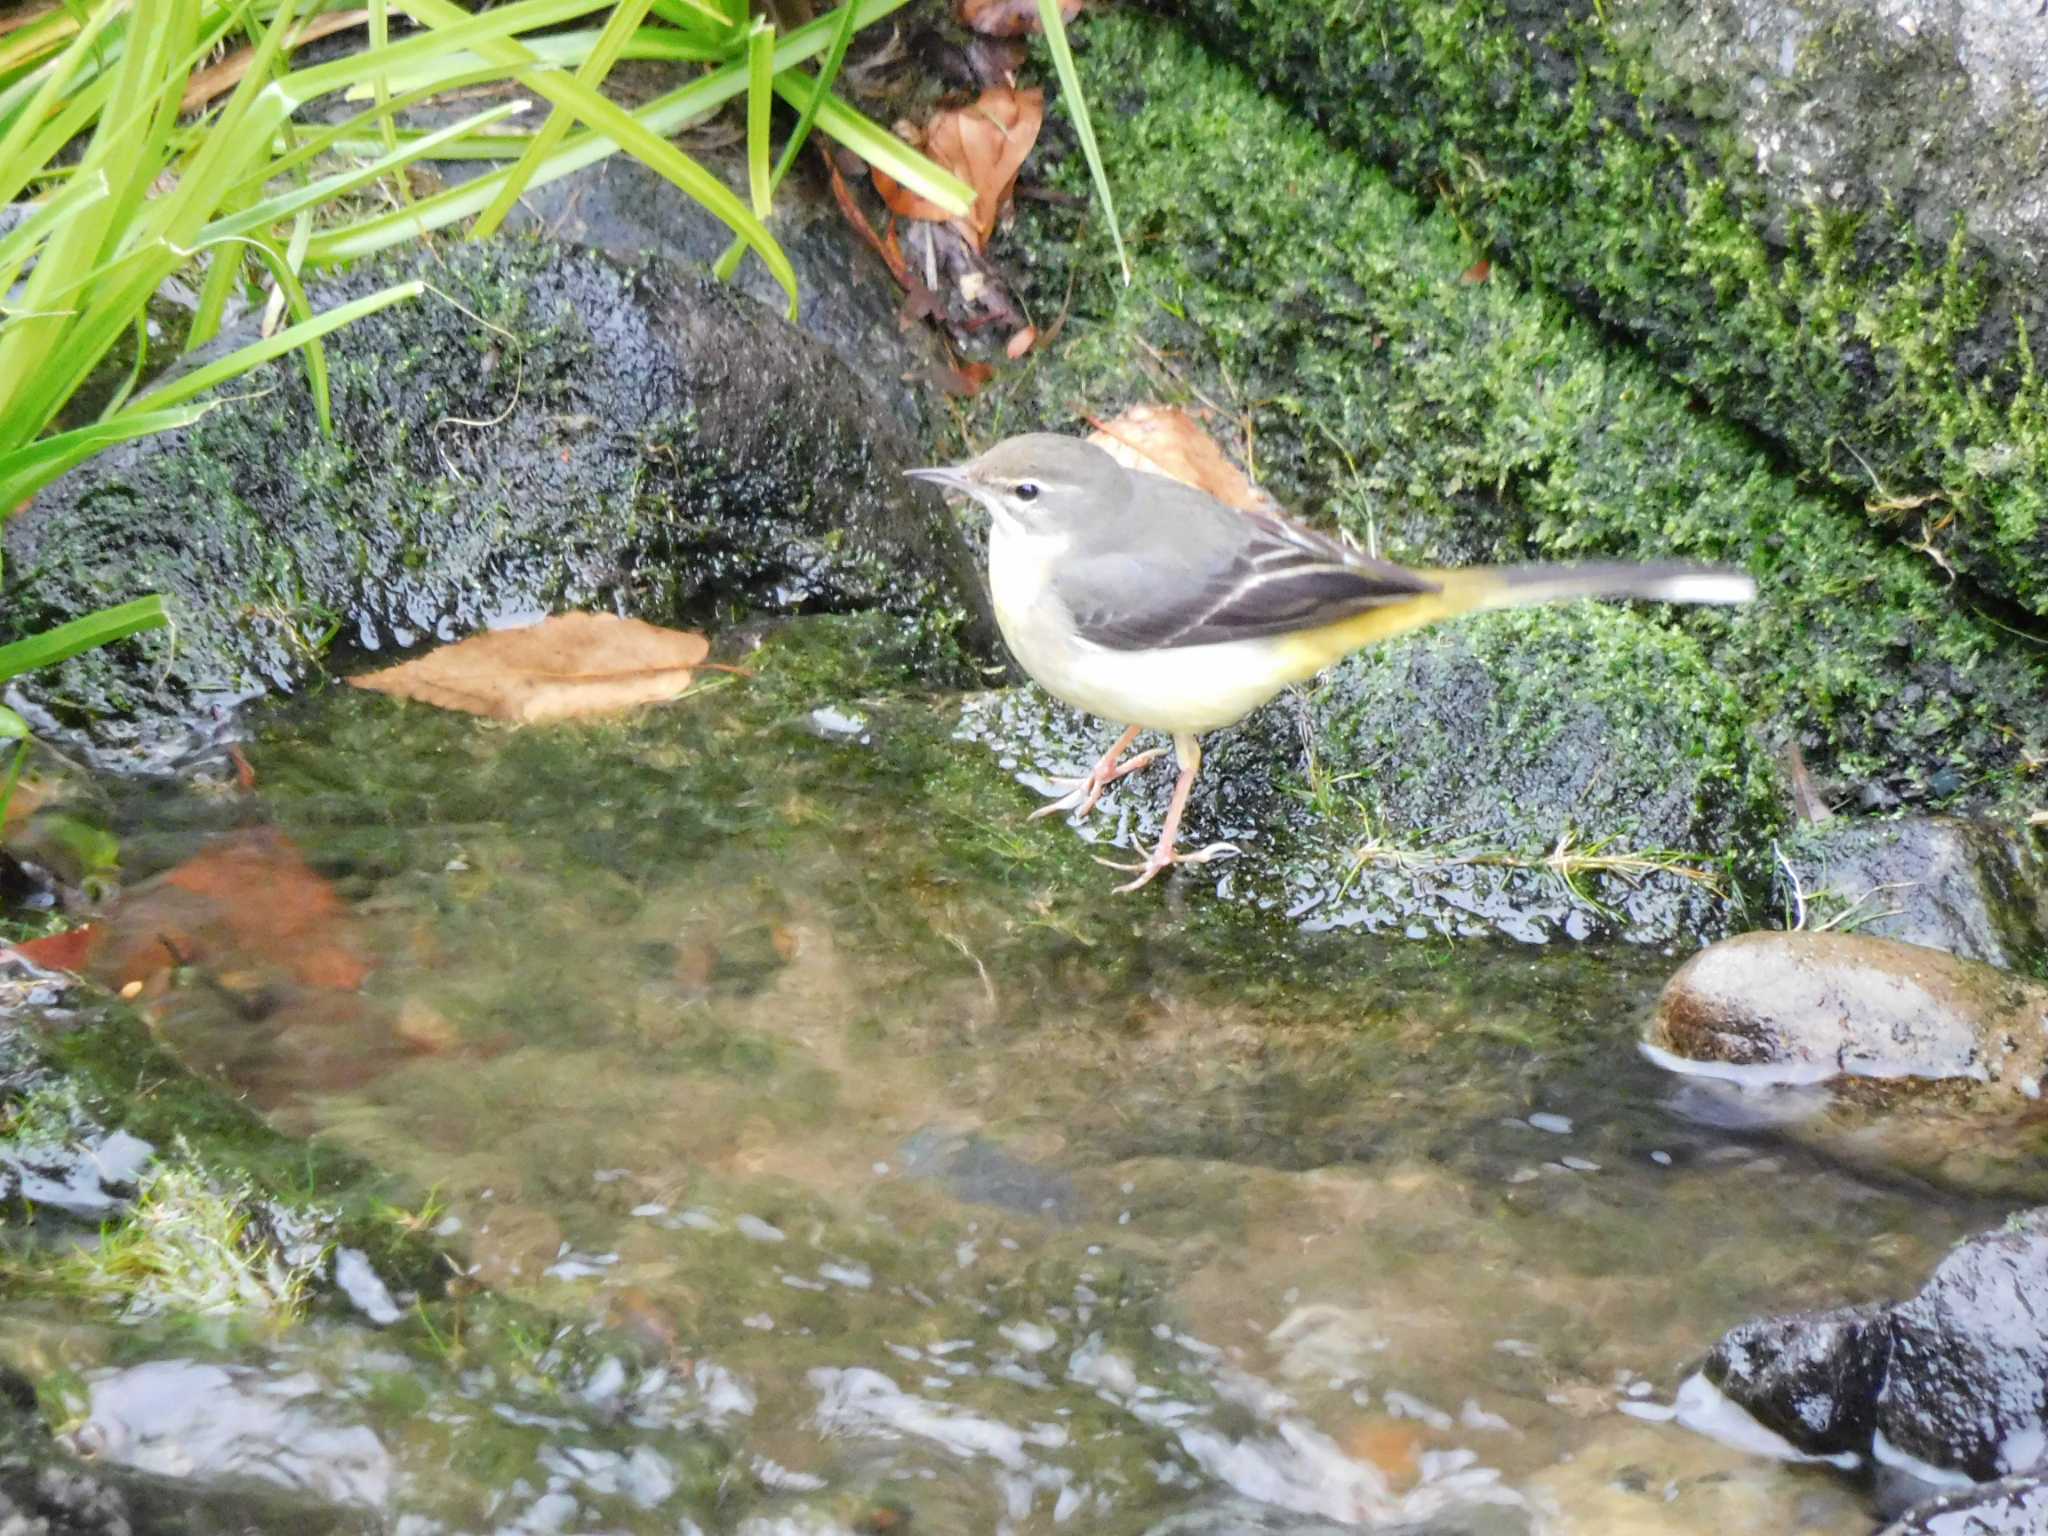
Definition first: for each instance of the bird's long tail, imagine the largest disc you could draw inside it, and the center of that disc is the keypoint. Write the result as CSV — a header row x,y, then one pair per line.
x,y
1511,586
1514,586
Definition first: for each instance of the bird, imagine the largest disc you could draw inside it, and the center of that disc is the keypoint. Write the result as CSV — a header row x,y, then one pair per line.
x,y
1151,604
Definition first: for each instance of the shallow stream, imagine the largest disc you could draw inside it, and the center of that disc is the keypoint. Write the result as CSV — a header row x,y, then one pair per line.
x,y
868,1166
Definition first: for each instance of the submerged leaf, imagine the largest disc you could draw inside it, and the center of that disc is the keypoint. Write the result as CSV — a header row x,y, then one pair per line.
x,y
1165,440
572,664
985,144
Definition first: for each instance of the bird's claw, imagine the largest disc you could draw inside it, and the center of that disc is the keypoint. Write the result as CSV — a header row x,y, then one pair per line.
x,y
1082,793
1162,858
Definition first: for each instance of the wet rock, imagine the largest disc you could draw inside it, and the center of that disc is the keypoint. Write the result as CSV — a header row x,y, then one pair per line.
x,y
46,1491
1955,1379
1813,1378
1972,888
1248,1517
1967,1385
605,435
1573,772
845,296
2011,1506
1808,1007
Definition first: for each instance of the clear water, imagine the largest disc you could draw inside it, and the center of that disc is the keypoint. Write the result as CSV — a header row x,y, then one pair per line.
x,y
859,1163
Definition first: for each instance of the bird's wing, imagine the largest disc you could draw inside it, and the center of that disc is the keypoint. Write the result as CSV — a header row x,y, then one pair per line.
x,y
1191,571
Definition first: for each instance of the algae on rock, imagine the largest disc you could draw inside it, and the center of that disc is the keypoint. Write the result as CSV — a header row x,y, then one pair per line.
x,y
549,428
1827,218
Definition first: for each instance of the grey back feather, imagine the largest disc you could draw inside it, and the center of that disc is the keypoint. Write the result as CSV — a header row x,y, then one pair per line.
x,y
1173,567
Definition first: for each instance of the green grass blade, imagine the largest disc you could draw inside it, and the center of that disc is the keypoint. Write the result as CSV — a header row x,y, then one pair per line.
x,y
26,470
665,114
760,110
88,633
877,145
240,361
625,21
632,134
22,240
462,31
1077,106
848,16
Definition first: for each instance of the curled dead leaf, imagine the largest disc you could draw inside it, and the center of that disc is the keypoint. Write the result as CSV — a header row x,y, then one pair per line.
x,y
1165,440
569,665
1010,18
985,144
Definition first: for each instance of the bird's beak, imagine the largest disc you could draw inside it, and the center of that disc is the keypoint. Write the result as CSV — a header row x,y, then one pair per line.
x,y
945,477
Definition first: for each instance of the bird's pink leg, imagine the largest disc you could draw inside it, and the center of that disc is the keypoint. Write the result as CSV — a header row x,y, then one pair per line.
x,y
1082,793
1188,752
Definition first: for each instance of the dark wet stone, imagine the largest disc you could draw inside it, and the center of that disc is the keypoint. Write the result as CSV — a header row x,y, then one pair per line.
x,y
1967,1387
1248,1517
1973,888
1812,1377
625,437
845,296
982,1172
1810,1006
2011,1506
1955,1378
47,1491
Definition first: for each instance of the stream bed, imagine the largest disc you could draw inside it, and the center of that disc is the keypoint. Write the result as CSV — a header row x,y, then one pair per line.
x,y
855,1161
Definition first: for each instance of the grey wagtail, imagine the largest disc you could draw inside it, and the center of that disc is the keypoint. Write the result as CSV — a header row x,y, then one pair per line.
x,y
1152,604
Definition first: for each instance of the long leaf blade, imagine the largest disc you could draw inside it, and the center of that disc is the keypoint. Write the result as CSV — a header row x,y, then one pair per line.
x,y
88,633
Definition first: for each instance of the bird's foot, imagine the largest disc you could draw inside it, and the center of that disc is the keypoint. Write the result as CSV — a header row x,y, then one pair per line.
x,y
1163,858
1082,793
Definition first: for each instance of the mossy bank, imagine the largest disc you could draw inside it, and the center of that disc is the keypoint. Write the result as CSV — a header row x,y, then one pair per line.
x,y
1343,335
1824,218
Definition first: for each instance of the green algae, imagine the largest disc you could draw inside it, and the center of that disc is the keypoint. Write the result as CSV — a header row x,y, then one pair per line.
x,y
1287,284
1893,357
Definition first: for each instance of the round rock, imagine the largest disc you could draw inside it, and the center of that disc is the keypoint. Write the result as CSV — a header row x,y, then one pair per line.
x,y
1807,1007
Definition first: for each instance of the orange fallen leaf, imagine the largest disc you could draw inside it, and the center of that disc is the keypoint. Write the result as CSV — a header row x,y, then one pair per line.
x,y
1165,440
65,951
1021,343
219,79
258,901
1010,18
985,144
1393,1445
1478,272
569,665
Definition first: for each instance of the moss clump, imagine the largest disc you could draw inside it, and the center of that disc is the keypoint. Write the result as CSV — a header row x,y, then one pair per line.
x,y
228,1212
568,432
1626,160
1291,285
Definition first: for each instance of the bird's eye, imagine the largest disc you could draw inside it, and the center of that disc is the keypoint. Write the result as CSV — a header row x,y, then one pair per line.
x,y
1024,490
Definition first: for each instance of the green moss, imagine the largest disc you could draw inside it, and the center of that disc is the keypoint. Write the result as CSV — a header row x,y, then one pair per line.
x,y
1324,316
1898,374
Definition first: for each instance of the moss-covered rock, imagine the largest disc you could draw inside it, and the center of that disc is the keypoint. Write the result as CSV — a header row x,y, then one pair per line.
x,y
1823,217
1444,419
547,428
1543,773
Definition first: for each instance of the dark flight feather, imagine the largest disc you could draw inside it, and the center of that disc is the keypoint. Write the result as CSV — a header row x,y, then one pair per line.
x,y
1187,570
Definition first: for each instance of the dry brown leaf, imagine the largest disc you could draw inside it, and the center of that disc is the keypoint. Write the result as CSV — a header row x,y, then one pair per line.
x,y
572,664
985,144
1021,343
219,79
1478,272
1010,18
1165,440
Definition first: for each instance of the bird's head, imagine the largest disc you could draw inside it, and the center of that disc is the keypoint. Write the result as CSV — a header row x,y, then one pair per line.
x,y
1038,483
